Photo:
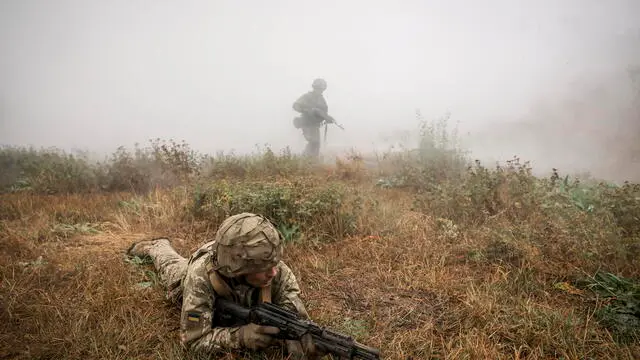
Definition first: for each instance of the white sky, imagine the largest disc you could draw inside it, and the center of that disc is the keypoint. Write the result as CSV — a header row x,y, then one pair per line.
x,y
223,74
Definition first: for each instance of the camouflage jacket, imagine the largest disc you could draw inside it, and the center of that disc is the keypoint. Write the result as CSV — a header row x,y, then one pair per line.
x,y
196,329
307,102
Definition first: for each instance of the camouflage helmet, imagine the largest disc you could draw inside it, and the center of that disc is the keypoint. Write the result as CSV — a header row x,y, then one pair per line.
x,y
246,243
319,84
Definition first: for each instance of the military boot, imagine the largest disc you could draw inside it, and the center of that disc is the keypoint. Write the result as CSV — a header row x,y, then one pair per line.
x,y
141,248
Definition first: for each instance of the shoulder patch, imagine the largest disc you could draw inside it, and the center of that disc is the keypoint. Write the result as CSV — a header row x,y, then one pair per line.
x,y
193,316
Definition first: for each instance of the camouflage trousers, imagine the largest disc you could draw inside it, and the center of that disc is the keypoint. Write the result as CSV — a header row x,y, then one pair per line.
x,y
171,268
312,135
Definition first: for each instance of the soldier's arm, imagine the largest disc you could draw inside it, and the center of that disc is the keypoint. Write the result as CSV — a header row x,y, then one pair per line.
x,y
197,314
302,105
324,107
286,292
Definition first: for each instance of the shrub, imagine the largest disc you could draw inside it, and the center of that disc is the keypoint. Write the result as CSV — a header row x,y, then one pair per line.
x,y
436,159
262,163
46,171
481,193
620,310
317,209
624,204
163,163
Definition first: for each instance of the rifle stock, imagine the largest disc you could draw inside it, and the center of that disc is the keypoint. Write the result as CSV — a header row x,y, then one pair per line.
x,y
293,327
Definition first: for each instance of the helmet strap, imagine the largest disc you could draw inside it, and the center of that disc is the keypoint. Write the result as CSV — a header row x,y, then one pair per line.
x,y
265,294
219,285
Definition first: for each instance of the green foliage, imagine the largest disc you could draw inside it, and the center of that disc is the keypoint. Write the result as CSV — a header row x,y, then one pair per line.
x,y
139,261
290,233
125,171
163,163
315,208
582,196
260,164
448,186
623,203
176,159
481,193
437,158
568,219
356,328
45,171
621,312
67,230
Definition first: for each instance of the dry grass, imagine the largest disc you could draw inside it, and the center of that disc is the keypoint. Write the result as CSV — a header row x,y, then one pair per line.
x,y
418,277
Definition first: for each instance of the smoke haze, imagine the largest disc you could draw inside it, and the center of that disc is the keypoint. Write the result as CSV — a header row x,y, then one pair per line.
x,y
547,80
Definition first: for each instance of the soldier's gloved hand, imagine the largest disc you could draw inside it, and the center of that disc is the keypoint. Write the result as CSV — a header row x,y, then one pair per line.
x,y
304,349
257,337
294,348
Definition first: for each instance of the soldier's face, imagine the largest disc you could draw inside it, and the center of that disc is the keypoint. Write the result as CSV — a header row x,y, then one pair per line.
x,y
262,279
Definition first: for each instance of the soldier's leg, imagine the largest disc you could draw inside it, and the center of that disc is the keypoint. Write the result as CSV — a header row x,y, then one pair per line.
x,y
312,135
305,133
315,144
309,149
170,265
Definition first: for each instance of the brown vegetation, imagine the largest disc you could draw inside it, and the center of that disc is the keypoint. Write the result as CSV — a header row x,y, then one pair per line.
x,y
421,257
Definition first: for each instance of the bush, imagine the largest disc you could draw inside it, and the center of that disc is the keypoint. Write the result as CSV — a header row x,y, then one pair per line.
x,y
437,159
482,193
45,171
584,222
261,164
318,209
163,163
624,204
620,309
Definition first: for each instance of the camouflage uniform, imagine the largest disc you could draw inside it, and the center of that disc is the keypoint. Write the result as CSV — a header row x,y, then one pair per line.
x,y
189,281
310,123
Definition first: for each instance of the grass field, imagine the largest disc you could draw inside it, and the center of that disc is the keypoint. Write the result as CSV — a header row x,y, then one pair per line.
x,y
424,255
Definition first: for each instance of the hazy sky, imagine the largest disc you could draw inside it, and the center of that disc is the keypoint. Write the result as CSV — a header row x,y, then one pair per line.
x,y
223,74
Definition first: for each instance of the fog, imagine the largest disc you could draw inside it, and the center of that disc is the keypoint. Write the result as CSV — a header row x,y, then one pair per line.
x,y
546,80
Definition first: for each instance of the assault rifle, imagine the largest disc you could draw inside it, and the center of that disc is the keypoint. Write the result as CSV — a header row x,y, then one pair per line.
x,y
292,327
328,119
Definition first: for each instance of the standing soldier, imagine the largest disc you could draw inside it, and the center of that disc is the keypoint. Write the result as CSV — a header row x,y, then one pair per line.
x,y
313,111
